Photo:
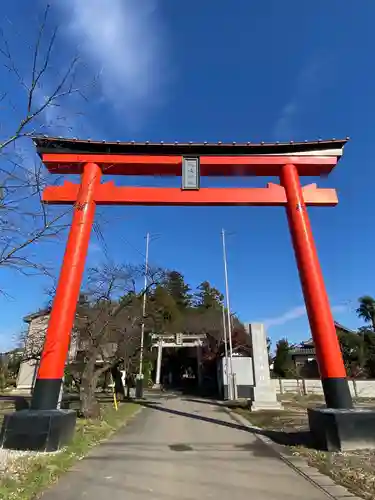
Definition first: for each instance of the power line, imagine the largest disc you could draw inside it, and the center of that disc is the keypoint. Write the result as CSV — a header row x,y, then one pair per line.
x,y
99,235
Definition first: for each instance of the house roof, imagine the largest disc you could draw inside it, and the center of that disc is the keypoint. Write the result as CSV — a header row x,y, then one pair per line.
x,y
307,343
44,312
344,328
241,350
37,314
304,351
45,144
304,345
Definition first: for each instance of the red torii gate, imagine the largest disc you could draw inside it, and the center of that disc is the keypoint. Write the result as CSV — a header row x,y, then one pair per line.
x,y
288,161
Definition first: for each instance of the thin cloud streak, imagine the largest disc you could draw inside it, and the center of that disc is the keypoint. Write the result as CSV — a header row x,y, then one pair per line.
x,y
64,118
296,313
309,84
94,254
123,41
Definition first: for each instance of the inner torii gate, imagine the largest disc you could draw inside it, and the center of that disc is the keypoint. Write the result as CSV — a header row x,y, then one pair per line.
x,y
92,160
178,340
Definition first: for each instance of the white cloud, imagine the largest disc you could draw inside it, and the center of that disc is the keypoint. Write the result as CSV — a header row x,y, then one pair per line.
x,y
296,313
64,116
94,253
123,41
309,83
283,128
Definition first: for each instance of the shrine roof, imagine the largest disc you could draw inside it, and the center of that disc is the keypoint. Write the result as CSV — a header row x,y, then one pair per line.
x,y
60,145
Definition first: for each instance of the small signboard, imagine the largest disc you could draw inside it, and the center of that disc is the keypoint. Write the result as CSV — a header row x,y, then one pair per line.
x,y
190,173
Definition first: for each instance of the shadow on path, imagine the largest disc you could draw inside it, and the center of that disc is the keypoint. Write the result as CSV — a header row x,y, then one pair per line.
x,y
195,416
298,438
220,404
20,402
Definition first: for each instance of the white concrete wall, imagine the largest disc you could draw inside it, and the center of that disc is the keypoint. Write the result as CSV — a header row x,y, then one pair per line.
x,y
243,368
358,388
35,336
26,375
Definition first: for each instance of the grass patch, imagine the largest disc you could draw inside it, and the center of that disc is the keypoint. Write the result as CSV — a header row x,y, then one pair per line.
x,y
30,475
285,420
355,470
5,407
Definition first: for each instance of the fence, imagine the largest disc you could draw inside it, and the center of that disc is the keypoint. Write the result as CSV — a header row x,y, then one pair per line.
x,y
359,388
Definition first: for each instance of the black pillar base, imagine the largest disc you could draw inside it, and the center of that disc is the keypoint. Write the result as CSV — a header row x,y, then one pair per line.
x,y
342,429
37,430
46,394
337,393
139,388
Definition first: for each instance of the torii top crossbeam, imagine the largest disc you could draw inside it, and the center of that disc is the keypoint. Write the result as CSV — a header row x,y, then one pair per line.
x,y
68,156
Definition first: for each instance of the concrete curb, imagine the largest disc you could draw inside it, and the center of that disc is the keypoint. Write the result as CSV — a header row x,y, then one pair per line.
x,y
136,413
298,464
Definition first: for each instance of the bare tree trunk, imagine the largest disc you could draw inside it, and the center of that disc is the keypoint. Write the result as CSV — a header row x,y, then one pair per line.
x,y
89,405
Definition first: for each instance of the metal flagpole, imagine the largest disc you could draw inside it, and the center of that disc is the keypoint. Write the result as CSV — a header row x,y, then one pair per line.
x,y
228,314
144,307
226,353
140,374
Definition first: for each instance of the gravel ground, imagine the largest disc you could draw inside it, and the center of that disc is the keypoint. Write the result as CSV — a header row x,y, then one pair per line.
x,y
355,469
9,459
13,462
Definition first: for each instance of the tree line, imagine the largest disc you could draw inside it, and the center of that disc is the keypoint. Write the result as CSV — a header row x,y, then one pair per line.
x,y
357,347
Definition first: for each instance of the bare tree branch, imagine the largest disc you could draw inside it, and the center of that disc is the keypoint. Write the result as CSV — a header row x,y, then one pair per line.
x,y
108,323
25,220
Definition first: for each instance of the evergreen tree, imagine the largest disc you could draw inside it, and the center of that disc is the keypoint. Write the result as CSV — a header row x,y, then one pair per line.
x,y
358,351
366,310
269,346
178,289
283,365
208,297
162,311
368,337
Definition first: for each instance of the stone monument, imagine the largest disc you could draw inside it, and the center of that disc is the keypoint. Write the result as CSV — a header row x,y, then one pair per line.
x,y
263,395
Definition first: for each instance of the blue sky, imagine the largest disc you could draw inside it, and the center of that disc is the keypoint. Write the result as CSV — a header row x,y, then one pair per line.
x,y
208,71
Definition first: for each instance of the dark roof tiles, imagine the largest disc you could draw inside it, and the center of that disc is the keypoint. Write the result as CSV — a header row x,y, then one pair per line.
x,y
45,144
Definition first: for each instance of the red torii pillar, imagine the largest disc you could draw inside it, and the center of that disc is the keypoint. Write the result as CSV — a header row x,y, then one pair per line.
x,y
52,364
327,347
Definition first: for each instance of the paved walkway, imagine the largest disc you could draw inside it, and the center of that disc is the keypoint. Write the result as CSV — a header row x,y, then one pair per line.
x,y
182,449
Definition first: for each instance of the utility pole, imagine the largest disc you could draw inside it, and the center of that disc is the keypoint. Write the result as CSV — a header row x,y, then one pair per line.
x,y
234,388
139,388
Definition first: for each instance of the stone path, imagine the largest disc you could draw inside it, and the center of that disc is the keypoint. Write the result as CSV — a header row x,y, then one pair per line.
x,y
181,449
